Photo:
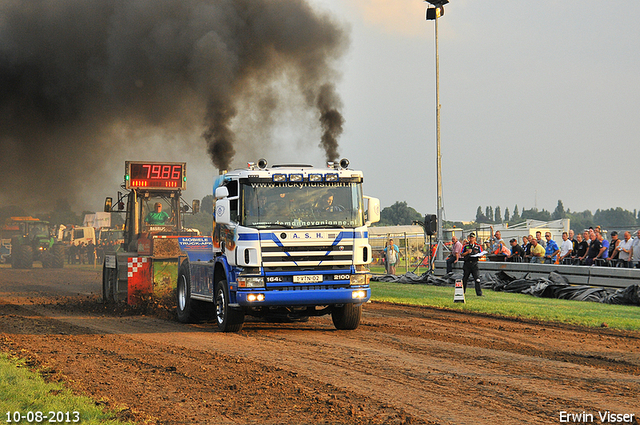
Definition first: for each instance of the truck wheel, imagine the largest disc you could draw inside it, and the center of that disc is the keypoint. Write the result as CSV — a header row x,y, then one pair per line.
x,y
22,257
346,317
57,256
184,304
109,281
229,320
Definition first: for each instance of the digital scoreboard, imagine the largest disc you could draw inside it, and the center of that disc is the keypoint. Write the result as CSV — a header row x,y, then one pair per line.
x,y
155,175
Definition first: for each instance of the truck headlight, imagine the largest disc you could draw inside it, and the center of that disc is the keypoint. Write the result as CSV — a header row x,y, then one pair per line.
x,y
358,294
250,282
255,297
360,279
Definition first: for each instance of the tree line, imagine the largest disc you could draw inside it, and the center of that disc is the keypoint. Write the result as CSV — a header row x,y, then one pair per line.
x,y
612,217
401,213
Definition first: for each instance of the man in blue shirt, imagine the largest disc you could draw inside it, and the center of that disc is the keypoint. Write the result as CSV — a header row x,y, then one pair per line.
x,y
551,250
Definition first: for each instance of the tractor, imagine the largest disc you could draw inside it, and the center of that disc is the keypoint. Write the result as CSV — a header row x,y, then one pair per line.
x,y
34,241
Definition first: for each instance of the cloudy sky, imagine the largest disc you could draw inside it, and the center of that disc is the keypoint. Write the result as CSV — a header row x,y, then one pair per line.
x,y
539,103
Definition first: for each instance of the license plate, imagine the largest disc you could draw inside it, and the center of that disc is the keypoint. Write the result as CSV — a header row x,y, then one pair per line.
x,y
308,278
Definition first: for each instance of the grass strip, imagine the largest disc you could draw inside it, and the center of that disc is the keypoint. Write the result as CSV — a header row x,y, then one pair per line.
x,y
583,313
24,393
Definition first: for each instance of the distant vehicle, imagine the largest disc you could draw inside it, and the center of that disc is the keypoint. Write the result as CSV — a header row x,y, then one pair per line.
x,y
77,235
33,240
110,236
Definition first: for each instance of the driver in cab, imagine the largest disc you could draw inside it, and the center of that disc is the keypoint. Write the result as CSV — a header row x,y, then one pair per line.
x,y
326,204
157,216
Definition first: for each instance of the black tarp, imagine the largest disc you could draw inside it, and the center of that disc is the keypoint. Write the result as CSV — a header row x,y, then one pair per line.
x,y
553,286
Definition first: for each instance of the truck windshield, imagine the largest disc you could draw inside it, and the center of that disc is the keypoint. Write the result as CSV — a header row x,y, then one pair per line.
x,y
297,205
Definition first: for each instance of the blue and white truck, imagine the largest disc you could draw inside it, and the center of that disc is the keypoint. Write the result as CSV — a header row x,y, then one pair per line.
x,y
288,240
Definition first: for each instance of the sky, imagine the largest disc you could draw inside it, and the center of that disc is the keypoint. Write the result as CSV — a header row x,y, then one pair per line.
x,y
539,103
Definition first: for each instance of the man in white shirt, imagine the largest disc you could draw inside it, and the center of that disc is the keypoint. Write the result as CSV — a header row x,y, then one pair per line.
x,y
624,247
634,255
566,247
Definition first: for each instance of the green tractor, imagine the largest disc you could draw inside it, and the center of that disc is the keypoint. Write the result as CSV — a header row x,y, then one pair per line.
x,y
33,241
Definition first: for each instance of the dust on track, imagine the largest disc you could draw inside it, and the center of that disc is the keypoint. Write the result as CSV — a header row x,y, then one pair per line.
x,y
403,365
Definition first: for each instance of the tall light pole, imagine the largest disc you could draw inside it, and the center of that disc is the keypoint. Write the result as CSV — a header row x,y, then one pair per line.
x,y
433,13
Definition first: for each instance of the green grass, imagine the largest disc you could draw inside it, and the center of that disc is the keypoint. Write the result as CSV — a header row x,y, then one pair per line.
x,y
581,313
23,391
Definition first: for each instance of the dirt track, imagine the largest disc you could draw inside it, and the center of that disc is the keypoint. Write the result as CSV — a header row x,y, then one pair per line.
x,y
403,365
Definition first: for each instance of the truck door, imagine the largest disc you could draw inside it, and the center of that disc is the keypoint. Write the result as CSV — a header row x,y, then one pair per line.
x,y
224,236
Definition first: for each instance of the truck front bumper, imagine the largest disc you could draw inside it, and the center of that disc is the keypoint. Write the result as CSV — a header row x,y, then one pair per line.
x,y
301,297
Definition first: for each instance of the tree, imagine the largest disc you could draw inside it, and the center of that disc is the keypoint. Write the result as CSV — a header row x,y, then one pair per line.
x,y
202,221
534,214
498,215
62,214
581,220
614,218
516,214
506,215
481,218
11,211
559,211
488,212
399,214
206,205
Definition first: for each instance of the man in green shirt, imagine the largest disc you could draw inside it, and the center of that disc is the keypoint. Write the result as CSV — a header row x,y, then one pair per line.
x,y
157,216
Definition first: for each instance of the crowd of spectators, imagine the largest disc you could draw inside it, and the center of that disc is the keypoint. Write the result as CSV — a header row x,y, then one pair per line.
x,y
588,248
89,253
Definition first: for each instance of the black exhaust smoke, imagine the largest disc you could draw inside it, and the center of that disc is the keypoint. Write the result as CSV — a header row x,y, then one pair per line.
x,y
78,77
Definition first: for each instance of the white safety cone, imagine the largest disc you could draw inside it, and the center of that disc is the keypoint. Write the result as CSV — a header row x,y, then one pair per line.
x,y
458,295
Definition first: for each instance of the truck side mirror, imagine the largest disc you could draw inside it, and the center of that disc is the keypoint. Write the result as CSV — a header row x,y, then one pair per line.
x,y
195,206
108,203
222,210
373,210
221,192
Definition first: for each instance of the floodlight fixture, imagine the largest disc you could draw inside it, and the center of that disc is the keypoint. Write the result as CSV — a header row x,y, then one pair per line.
x,y
437,10
437,3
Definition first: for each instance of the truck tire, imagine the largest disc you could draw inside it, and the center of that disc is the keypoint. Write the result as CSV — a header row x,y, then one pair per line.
x,y
229,319
185,306
22,257
57,256
346,317
109,282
